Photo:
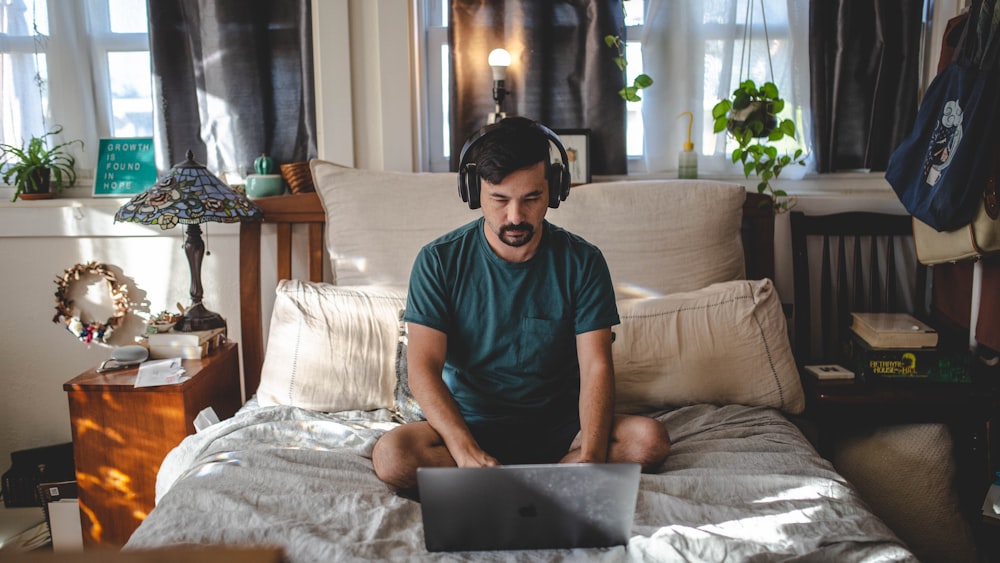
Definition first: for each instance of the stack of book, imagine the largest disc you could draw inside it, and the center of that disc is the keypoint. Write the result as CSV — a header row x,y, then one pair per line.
x,y
900,346
188,345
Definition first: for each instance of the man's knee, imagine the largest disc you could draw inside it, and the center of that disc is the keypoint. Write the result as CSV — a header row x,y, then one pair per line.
x,y
389,460
648,442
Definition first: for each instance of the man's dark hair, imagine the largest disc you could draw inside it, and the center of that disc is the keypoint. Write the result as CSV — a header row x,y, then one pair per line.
x,y
513,145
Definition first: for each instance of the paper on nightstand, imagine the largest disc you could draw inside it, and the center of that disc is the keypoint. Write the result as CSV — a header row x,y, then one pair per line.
x,y
161,372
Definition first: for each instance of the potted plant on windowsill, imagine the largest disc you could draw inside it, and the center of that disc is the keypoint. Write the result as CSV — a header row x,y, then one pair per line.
x,y
34,169
750,116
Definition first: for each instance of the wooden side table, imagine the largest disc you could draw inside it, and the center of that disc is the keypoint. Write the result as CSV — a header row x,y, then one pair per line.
x,y
122,433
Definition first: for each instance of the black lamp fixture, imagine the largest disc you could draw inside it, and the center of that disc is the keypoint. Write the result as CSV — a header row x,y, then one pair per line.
x,y
499,60
189,194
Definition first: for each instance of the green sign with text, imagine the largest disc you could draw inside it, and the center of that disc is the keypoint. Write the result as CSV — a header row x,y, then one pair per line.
x,y
124,167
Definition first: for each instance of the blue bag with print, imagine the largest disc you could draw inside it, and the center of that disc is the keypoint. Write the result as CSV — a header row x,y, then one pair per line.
x,y
939,172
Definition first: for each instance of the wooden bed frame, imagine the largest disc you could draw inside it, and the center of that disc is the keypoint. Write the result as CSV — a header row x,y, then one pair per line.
x,y
305,208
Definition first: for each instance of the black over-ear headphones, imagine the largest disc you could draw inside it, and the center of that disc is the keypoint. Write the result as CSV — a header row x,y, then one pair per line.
x,y
469,185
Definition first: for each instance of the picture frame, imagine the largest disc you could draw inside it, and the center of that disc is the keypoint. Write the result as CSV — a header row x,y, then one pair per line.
x,y
577,145
125,166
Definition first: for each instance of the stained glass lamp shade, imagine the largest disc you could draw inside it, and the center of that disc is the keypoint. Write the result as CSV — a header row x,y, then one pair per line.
x,y
189,194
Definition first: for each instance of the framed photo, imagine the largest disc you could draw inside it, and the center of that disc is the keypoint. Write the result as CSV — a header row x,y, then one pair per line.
x,y
577,145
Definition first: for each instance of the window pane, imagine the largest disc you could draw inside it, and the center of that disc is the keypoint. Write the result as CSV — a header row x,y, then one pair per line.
x,y
20,17
445,107
127,16
633,125
635,12
131,94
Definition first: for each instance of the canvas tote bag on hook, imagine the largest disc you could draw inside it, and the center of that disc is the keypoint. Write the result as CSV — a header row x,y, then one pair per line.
x,y
940,171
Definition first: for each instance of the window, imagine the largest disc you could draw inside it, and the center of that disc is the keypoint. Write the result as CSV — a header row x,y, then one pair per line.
x,y
713,33
83,66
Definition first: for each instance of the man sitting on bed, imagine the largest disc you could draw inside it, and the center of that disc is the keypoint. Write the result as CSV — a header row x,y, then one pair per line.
x,y
510,317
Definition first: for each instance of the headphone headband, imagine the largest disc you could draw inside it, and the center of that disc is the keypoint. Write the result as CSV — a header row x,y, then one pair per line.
x,y
469,184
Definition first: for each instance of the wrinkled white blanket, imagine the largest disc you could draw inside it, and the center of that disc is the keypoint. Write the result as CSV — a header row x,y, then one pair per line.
x,y
741,483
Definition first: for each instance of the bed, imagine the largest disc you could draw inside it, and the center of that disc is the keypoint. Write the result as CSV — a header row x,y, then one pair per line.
x,y
702,347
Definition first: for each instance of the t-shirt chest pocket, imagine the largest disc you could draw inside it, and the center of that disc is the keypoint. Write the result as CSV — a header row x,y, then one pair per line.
x,y
543,344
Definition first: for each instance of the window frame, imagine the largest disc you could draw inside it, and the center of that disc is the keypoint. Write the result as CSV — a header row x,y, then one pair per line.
x,y
58,108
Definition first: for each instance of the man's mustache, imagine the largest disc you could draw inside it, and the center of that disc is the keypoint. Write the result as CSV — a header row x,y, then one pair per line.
x,y
518,227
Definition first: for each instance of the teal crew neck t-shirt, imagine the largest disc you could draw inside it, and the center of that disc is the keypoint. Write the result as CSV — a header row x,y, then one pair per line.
x,y
511,326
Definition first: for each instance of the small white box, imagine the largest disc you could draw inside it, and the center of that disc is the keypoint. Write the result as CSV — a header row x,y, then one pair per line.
x,y
829,371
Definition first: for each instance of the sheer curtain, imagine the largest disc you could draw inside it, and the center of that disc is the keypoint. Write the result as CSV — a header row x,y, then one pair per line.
x,y
232,79
561,73
693,51
59,57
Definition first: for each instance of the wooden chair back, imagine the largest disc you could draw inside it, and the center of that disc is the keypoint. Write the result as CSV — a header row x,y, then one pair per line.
x,y
859,270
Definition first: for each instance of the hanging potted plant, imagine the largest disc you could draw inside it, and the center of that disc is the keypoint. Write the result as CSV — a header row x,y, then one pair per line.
x,y
34,169
750,116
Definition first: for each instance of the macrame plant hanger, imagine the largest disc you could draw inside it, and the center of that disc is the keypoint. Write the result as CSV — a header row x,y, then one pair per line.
x,y
745,52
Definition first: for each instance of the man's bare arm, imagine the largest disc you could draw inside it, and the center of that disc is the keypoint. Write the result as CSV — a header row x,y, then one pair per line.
x,y
425,354
597,394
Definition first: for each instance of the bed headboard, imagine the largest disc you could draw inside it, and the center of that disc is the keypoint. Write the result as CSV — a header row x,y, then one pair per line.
x,y
305,208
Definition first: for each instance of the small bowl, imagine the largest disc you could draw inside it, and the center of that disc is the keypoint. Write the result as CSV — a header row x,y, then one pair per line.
x,y
159,326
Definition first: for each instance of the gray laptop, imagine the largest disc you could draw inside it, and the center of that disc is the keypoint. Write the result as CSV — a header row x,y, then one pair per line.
x,y
528,506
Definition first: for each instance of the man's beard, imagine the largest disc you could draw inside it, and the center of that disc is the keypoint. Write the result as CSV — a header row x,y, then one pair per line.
x,y
521,238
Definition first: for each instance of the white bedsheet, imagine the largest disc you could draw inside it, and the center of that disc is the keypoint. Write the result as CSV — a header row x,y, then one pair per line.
x,y
741,483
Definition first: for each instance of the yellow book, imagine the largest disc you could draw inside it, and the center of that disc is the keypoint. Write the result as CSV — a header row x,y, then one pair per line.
x,y
893,330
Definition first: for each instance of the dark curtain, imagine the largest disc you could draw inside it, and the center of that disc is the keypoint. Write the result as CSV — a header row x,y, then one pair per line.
x,y
232,79
561,74
864,74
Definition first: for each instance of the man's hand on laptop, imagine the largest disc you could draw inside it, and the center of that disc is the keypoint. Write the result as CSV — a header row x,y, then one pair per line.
x,y
475,457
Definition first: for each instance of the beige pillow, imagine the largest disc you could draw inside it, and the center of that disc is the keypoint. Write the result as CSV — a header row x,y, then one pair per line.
x,y
660,236
376,222
724,344
332,348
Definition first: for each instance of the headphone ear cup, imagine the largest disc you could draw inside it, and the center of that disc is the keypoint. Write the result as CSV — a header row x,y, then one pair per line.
x,y
474,188
468,185
557,184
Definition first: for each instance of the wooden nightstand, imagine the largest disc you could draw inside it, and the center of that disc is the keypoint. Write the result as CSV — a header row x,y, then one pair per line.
x,y
969,410
121,435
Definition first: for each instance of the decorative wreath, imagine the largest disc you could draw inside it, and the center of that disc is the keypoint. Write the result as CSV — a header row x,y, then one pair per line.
x,y
64,305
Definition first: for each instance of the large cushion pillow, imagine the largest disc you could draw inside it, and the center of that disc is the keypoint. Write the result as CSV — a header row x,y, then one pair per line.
x,y
660,236
376,222
332,348
724,344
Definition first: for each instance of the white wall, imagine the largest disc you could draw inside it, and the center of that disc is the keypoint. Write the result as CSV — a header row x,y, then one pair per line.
x,y
366,110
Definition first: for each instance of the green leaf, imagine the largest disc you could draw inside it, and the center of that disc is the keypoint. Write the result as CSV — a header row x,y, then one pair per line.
x,y
741,100
777,106
747,169
788,127
738,154
780,193
762,187
771,151
770,90
620,63
720,124
643,81
611,40
629,94
721,109
776,134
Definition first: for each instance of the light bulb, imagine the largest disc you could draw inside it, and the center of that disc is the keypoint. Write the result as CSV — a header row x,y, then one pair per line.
x,y
499,60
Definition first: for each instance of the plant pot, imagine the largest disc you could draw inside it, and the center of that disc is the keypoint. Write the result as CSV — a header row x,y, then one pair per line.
x,y
40,189
755,112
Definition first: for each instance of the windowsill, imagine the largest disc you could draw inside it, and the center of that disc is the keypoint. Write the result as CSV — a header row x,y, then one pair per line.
x,y
76,213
